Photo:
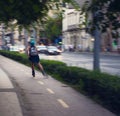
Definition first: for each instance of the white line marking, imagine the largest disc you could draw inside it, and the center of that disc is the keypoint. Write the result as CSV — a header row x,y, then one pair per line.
x,y
50,91
62,103
40,82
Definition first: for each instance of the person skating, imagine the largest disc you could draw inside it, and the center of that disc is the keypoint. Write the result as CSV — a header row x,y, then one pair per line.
x,y
34,58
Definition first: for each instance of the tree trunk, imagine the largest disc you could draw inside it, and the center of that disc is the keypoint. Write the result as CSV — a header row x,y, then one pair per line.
x,y
96,62
25,39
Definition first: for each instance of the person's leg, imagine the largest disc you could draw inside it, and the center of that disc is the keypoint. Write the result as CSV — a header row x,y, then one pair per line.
x,y
41,69
33,70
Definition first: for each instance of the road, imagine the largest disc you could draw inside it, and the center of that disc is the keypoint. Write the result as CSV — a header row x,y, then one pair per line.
x,y
47,97
108,63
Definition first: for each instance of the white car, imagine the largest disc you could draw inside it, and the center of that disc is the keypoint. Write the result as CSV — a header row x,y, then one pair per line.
x,y
41,49
53,50
14,48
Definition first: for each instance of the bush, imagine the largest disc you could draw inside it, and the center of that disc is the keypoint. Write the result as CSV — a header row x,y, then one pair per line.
x,y
53,66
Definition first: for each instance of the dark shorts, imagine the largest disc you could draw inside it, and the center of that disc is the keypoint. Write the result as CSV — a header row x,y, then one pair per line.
x,y
34,59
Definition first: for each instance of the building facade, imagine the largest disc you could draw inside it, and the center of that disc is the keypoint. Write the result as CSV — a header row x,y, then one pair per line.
x,y
74,35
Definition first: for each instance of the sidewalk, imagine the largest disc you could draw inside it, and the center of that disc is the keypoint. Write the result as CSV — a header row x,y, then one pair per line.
x,y
9,103
46,97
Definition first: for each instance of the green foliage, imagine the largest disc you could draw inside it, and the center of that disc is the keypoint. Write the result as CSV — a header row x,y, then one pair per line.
x,y
24,11
103,87
53,66
114,6
105,14
53,27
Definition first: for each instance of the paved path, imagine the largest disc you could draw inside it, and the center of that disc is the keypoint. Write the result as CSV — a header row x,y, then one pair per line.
x,y
9,103
41,97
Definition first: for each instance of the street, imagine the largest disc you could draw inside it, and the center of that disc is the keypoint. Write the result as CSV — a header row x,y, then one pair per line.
x,y
47,97
108,63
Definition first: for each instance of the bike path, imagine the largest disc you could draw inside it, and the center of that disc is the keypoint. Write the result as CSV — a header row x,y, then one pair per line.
x,y
43,97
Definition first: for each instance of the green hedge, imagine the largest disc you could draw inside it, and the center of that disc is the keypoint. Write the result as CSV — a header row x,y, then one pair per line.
x,y
103,87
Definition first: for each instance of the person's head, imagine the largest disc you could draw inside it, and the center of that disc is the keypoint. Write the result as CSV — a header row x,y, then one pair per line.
x,y
32,43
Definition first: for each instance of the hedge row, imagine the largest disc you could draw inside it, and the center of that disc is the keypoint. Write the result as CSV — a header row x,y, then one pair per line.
x,y
103,87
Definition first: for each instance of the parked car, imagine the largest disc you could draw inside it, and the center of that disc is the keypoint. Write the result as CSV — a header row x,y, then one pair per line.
x,y
21,48
14,48
42,49
53,50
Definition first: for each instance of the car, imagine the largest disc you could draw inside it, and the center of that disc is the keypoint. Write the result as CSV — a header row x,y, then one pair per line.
x,y
53,50
41,49
14,48
21,48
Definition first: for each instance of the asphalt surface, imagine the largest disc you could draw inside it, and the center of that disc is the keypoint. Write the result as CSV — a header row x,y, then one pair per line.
x,y
23,95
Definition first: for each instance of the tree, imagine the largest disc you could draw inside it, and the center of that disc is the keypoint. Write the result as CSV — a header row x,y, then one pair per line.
x,y
105,14
53,28
25,11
